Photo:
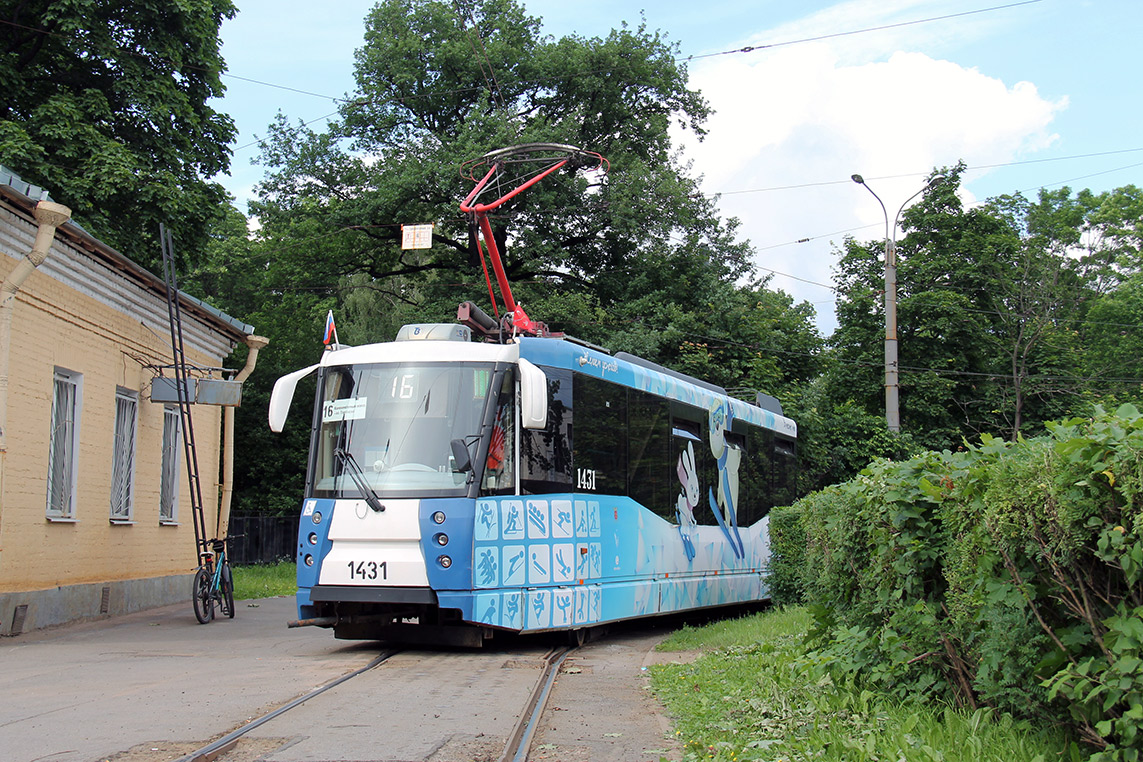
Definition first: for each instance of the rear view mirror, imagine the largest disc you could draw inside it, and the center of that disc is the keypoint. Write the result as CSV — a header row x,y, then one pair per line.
x,y
283,395
533,396
462,461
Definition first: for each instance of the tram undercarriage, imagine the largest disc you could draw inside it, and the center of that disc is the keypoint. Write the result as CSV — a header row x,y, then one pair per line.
x,y
406,623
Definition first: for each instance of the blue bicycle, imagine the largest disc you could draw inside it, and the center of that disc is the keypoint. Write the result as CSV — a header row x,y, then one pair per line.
x,y
213,582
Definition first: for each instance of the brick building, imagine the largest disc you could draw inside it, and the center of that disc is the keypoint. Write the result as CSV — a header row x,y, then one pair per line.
x,y
95,514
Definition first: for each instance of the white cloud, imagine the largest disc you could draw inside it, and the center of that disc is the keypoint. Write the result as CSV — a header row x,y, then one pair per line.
x,y
802,115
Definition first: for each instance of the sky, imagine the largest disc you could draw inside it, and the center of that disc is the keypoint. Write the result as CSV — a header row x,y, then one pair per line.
x,y
1029,94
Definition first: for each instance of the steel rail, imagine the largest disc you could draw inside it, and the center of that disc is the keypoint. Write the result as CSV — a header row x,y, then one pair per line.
x,y
227,742
519,742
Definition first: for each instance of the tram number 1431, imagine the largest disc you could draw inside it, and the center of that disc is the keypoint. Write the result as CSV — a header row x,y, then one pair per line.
x,y
585,478
368,570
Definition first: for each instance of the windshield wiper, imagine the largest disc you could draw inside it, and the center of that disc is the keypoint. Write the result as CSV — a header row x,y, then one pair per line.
x,y
358,477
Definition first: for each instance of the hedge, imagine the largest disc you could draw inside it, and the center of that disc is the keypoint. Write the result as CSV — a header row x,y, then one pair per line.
x,y
1008,574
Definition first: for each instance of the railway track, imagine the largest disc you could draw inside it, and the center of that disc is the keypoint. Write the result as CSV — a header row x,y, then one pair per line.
x,y
338,693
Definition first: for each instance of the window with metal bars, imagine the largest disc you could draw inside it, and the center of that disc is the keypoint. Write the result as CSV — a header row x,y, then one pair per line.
x,y
123,455
63,445
169,485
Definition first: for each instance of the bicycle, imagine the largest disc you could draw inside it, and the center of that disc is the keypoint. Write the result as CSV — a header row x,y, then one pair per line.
x,y
213,582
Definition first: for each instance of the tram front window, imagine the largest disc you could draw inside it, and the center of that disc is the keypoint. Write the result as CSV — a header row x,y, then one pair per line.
x,y
397,423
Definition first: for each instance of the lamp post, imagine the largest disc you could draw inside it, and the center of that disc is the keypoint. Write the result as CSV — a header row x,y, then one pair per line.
x,y
892,386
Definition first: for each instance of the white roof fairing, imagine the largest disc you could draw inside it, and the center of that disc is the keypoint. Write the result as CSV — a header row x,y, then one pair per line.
x,y
421,351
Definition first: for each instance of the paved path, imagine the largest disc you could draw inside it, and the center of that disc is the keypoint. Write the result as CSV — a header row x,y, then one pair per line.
x,y
156,685
85,692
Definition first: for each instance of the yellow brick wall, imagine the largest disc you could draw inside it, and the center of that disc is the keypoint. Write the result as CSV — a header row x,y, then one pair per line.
x,y
56,326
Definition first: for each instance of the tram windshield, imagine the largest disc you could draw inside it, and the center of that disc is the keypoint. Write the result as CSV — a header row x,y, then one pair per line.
x,y
393,425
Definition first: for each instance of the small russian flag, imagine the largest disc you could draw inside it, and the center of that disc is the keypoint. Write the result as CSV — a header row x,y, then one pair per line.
x,y
330,330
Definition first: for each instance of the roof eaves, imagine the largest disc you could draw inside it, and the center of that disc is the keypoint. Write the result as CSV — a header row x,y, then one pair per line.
x,y
27,195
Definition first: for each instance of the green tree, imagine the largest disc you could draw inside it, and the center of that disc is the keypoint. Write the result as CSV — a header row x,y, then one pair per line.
x,y
1035,309
106,104
988,300
1111,234
634,253
638,260
1113,338
394,155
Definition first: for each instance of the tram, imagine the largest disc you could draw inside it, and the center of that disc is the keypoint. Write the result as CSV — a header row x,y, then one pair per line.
x,y
490,476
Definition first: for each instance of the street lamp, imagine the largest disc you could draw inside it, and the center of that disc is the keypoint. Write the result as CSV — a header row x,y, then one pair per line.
x,y
892,397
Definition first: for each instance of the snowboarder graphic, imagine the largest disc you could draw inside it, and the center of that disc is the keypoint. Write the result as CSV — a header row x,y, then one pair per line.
x,y
725,506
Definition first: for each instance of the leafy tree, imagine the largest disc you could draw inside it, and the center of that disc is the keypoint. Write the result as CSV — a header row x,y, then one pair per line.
x,y
106,104
394,156
1111,234
988,299
1113,337
1036,307
640,250
638,260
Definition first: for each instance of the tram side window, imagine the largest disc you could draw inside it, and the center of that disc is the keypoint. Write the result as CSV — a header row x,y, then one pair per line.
x,y
785,470
736,457
499,475
755,499
651,474
690,434
600,452
546,455
770,473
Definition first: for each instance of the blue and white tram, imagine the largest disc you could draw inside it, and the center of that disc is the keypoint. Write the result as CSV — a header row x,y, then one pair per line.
x,y
456,488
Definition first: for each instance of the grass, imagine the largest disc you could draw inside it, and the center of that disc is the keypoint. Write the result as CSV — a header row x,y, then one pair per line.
x,y
265,580
755,694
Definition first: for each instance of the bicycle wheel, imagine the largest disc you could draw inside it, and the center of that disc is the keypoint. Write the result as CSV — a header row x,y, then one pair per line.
x,y
226,590
201,596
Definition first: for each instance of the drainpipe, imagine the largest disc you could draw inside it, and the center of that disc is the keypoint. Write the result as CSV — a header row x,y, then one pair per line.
x,y
50,216
254,343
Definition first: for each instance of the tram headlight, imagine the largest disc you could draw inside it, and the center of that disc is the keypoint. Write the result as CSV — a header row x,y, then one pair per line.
x,y
317,517
313,538
309,560
439,517
441,539
444,561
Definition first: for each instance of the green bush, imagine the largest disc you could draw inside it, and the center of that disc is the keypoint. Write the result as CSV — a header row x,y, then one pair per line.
x,y
1006,575
787,556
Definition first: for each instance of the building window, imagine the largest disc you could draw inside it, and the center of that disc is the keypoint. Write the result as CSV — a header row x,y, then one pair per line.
x,y
63,445
123,454
169,485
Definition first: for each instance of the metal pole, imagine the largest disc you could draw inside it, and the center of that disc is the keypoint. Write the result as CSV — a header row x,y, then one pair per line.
x,y
892,368
892,386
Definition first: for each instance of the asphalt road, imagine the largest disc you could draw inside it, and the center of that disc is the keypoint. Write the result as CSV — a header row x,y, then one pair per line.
x,y
88,691
154,686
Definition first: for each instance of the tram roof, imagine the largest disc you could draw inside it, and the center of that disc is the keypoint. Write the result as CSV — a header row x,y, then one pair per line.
x,y
558,353
662,383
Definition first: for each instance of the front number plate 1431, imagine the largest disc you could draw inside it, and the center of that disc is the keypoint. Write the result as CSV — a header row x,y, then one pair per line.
x,y
368,571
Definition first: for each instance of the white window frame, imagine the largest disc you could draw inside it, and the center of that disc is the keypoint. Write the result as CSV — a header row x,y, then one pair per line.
x,y
123,449
63,445
169,479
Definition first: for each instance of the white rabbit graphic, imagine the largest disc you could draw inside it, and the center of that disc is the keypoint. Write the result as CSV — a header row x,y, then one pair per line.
x,y
686,502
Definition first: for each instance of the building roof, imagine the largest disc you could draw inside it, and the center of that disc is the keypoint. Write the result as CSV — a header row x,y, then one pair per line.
x,y
26,195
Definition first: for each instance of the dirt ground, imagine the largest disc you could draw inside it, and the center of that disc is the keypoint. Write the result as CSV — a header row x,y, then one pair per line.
x,y
602,709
